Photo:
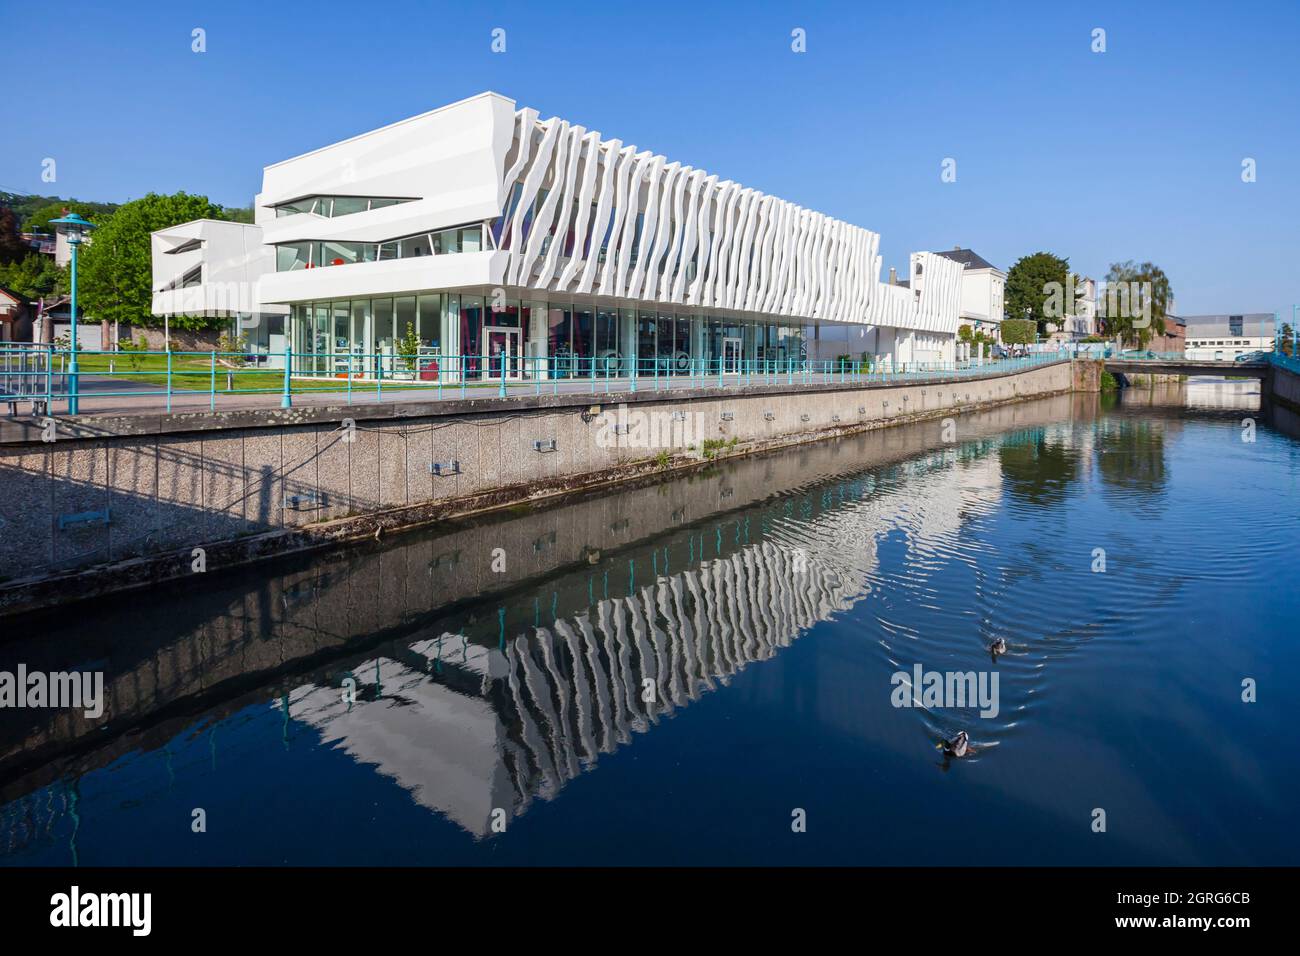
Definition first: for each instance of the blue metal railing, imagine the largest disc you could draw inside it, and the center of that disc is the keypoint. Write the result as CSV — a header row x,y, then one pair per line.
x,y
128,379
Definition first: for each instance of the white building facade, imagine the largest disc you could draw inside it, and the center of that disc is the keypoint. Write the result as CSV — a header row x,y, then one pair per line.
x,y
1222,338
983,291
213,267
478,240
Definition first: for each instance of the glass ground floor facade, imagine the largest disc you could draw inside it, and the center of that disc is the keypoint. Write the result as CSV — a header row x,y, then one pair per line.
x,y
449,336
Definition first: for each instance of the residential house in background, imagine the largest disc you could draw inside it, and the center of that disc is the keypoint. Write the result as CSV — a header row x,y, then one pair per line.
x,y
1174,338
983,290
1224,337
1080,321
41,242
15,317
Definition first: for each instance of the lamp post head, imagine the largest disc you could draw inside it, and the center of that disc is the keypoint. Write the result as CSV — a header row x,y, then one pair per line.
x,y
73,226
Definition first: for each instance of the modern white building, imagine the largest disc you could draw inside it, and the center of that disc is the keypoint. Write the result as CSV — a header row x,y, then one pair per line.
x,y
1223,337
480,240
212,267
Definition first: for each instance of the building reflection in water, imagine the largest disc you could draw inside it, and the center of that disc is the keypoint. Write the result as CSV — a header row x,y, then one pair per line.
x,y
476,691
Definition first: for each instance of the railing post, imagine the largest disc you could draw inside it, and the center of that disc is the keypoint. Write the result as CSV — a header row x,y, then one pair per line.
x,y
501,392
169,377
286,400
636,361
212,394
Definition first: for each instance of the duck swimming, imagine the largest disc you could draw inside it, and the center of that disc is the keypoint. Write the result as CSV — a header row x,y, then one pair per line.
x,y
998,647
958,746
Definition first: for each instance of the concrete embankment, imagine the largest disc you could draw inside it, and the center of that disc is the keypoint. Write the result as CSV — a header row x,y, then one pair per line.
x,y
121,502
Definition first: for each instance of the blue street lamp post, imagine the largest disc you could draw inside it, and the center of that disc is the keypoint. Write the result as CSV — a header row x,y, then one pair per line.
x,y
75,228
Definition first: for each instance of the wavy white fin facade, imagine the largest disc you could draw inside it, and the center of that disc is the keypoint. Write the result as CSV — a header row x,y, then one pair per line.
x,y
481,199
588,216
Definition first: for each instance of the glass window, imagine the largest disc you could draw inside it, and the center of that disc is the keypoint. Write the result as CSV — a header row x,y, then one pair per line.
x,y
471,330
558,340
501,225
361,327
320,335
387,250
347,205
415,246
682,344
404,316
292,256
646,327
584,340
471,239
506,315
667,354
607,350
383,334
341,337
429,322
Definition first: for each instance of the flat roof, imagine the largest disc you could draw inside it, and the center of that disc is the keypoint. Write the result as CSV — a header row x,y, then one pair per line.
x,y
401,122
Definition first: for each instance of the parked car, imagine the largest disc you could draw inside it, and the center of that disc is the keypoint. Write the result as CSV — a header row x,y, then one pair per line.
x,y
1138,354
1251,357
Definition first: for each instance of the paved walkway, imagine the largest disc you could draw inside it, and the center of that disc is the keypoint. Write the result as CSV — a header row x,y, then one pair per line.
x,y
103,395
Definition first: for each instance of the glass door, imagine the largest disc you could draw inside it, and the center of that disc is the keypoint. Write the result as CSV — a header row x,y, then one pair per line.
x,y
731,353
501,349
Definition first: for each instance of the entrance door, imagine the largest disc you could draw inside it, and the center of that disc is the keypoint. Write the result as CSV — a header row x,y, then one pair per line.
x,y
501,348
731,353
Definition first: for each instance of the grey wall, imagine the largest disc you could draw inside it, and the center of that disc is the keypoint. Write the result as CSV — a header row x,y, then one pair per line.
x,y
173,491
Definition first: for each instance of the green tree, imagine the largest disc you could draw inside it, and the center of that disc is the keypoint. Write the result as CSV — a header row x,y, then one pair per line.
x,y
237,214
34,276
12,246
39,219
1029,287
1135,303
1018,331
116,276
1288,339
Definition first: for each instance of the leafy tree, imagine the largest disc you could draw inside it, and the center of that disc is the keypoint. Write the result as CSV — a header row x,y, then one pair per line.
x,y
1018,331
237,214
12,246
1288,339
1136,302
116,275
34,276
1028,285
39,219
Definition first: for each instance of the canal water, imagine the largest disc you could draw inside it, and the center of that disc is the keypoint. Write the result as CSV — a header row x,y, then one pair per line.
x,y
702,669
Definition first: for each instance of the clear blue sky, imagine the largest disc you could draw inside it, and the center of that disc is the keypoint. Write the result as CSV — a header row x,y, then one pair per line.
x,y
1132,153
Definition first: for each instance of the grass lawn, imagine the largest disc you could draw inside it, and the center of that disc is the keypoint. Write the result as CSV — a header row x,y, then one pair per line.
x,y
193,373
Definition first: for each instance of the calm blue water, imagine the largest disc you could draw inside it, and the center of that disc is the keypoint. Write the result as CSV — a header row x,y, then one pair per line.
x,y
767,603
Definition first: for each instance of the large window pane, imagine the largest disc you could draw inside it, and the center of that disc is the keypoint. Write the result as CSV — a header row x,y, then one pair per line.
x,y
292,256
383,335
471,333
347,205
607,346
647,353
558,344
429,322
360,330
584,345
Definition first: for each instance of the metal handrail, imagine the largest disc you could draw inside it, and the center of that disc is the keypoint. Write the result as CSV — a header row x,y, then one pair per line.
x,y
168,378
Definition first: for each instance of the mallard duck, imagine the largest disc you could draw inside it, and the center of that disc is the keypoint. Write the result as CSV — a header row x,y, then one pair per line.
x,y
958,746
998,647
